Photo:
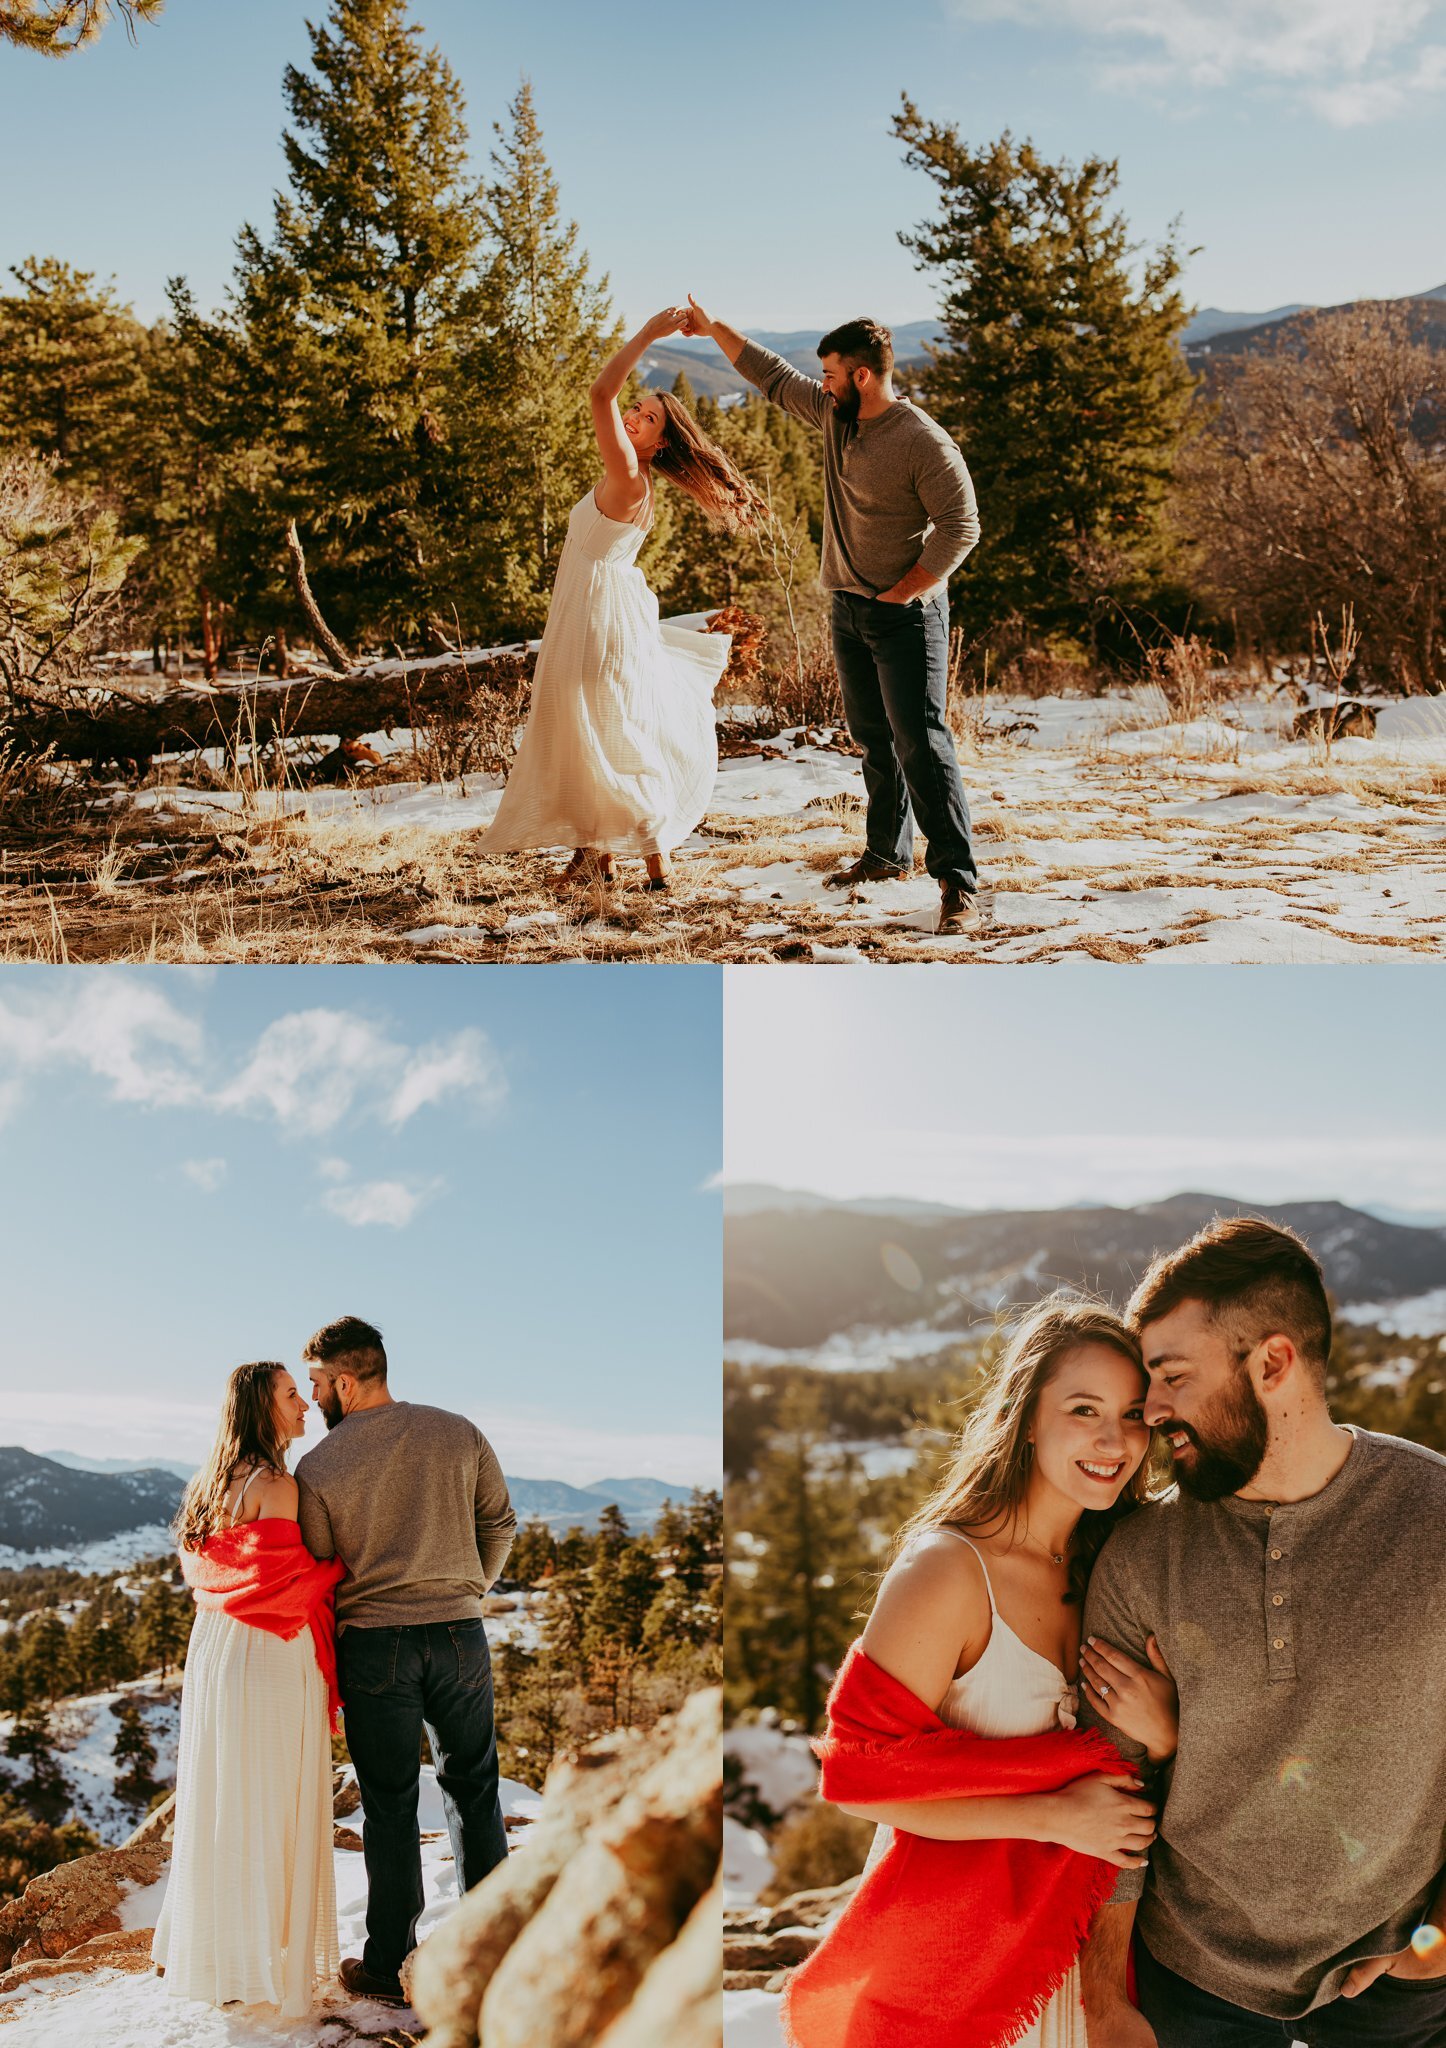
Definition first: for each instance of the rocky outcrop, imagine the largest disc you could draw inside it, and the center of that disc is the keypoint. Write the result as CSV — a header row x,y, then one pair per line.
x,y
761,1944
607,1927
346,1794
68,1907
128,1951
159,1825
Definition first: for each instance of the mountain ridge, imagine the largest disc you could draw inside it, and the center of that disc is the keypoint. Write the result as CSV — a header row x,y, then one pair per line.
x,y
796,1279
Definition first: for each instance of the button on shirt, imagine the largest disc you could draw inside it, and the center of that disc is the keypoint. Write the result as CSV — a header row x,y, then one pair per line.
x,y
1304,1818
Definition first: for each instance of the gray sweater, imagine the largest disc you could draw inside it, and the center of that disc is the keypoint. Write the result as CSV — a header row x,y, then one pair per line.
x,y
895,489
413,1502
1304,1818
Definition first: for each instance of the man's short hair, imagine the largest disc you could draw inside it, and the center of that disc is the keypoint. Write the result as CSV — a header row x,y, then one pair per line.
x,y
860,344
348,1345
1253,1278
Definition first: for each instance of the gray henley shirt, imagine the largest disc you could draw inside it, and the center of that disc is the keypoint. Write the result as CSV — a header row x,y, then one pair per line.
x,y
895,489
413,1502
1304,1818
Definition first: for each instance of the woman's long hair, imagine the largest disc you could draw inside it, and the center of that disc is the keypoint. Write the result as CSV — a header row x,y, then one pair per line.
x,y
248,1434
698,466
987,1477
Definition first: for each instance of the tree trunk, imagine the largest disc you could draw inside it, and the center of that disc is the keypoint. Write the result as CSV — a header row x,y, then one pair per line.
x,y
208,637
335,653
281,655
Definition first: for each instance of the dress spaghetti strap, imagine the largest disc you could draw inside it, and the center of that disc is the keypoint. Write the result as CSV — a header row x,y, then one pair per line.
x,y
252,1474
988,1583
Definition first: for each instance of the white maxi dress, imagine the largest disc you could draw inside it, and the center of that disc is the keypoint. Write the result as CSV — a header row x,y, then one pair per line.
x,y
250,1910
1013,1690
620,750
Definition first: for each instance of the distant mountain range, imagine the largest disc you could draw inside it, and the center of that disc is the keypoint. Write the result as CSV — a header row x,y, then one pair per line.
x,y
1211,331
799,1277
62,1508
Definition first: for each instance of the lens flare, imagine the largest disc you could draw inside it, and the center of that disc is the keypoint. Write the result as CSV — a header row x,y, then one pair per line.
x,y
1354,1850
1296,1773
1426,1940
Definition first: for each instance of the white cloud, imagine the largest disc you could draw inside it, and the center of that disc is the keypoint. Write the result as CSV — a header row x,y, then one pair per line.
x,y
207,1174
123,1030
312,1068
1349,60
392,1202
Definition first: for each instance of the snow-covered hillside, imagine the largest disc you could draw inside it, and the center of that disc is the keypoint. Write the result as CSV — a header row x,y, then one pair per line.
x,y
84,1732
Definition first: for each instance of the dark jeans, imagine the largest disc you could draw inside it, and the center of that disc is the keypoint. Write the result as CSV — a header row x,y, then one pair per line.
x,y
893,666
395,1682
1397,2012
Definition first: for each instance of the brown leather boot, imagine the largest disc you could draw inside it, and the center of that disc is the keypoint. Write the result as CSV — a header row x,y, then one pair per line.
x,y
362,1984
958,908
867,868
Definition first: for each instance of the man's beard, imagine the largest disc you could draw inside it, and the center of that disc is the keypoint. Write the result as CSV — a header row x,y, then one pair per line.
x,y
332,1411
1229,1448
847,407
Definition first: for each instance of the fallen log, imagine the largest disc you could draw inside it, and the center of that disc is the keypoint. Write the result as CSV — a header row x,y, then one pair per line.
x,y
113,728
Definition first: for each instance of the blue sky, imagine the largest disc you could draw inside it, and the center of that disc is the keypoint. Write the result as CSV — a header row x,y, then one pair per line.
x,y
507,1169
1039,1086
744,151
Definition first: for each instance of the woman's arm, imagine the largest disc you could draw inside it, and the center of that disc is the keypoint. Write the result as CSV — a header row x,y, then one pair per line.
x,y
623,492
930,1622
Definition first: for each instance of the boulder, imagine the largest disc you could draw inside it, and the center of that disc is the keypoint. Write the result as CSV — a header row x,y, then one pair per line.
x,y
557,1944
128,1950
66,1907
346,1796
679,2001
345,1838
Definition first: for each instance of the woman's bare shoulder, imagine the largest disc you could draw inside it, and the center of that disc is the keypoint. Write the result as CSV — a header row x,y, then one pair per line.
x,y
277,1496
932,1615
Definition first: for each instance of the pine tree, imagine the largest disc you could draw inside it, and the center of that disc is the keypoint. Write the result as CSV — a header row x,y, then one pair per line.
x,y
135,1755
1061,377
72,372
346,315
799,1560
163,1625
533,1554
538,331
63,563
612,1534
45,1651
53,28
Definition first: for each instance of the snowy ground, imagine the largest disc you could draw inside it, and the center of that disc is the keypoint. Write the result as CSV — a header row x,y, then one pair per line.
x,y
108,2010
1105,828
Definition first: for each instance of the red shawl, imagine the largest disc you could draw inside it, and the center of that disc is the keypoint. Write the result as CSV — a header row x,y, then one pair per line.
x,y
263,1574
944,1944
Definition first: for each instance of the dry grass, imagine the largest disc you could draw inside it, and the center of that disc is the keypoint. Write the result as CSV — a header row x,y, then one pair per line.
x,y
105,881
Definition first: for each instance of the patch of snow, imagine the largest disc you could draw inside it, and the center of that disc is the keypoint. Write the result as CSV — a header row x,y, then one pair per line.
x,y
747,1864
751,2019
1421,1315
111,1554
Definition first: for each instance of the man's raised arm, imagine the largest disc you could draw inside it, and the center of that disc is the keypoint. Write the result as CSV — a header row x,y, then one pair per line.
x,y
779,382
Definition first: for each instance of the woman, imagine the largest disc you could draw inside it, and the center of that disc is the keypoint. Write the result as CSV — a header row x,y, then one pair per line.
x,y
621,748
1009,1841
250,1911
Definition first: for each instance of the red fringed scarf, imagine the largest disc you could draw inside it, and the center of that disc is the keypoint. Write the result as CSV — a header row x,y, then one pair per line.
x,y
944,1944
263,1574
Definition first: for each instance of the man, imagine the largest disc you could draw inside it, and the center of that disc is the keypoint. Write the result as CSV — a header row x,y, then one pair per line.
x,y
899,518
1294,1580
413,1501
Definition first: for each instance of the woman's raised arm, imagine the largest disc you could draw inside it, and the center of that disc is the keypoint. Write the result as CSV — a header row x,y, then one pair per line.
x,y
619,457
